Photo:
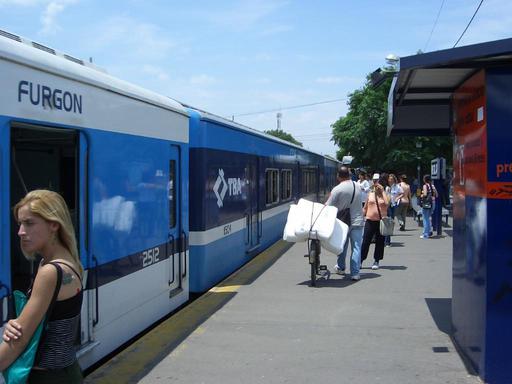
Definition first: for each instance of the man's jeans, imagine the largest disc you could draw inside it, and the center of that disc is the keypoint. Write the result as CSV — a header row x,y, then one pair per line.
x,y
355,235
426,213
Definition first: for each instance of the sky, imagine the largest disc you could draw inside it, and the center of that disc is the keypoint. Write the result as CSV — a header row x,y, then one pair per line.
x,y
250,60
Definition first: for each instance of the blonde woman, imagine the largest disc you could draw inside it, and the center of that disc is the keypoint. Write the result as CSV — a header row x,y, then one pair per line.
x,y
45,229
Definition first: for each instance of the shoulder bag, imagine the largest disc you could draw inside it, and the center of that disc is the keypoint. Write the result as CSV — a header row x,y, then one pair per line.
x,y
344,214
386,224
19,370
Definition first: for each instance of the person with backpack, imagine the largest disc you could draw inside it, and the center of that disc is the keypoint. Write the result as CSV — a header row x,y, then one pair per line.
x,y
346,196
428,194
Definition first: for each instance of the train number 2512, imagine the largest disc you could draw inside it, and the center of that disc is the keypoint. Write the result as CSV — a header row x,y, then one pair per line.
x,y
150,256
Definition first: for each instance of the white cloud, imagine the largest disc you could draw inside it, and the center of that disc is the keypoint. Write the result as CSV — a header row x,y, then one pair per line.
x,y
52,8
142,41
50,13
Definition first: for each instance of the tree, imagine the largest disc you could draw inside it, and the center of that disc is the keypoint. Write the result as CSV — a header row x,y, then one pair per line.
x,y
283,135
362,134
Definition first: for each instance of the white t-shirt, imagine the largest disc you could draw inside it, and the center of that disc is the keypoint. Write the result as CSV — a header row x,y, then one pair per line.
x,y
393,192
340,198
365,189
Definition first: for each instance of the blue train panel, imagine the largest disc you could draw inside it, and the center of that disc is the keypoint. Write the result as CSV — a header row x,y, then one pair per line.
x,y
243,184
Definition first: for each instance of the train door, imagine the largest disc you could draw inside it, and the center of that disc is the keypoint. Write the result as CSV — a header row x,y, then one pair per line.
x,y
4,261
253,215
54,159
176,244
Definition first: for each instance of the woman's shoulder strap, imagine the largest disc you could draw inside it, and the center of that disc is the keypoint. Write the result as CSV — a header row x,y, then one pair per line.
x,y
56,263
59,283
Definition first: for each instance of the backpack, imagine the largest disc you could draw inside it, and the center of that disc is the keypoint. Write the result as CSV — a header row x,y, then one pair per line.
x,y
426,202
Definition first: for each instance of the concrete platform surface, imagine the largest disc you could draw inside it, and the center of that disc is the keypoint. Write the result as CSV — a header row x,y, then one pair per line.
x,y
265,324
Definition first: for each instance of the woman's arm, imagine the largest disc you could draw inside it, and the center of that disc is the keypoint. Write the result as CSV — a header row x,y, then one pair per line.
x,y
31,316
400,192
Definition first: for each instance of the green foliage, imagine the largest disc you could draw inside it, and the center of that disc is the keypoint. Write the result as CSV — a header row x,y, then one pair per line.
x,y
283,135
362,134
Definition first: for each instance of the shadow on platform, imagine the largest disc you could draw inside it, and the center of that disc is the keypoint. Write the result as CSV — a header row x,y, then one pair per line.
x,y
441,311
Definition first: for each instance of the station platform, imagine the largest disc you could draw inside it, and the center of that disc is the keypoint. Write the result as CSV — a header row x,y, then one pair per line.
x,y
266,324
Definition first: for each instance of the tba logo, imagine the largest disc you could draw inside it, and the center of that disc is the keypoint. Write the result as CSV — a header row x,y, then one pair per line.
x,y
219,191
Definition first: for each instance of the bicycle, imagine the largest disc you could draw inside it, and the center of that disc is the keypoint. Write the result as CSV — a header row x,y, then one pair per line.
x,y
314,250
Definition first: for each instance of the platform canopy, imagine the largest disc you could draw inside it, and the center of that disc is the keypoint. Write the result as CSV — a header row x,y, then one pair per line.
x,y
420,95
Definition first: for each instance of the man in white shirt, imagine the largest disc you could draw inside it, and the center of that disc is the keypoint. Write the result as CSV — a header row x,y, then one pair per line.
x,y
347,195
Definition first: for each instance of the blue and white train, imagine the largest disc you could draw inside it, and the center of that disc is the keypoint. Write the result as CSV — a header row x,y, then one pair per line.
x,y
166,199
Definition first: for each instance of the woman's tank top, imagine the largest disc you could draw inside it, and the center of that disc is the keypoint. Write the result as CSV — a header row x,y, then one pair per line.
x,y
57,346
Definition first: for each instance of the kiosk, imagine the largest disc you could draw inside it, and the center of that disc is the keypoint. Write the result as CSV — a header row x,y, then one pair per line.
x,y
467,92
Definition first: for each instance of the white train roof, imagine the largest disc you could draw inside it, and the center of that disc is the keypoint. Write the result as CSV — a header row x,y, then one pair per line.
x,y
233,124
20,50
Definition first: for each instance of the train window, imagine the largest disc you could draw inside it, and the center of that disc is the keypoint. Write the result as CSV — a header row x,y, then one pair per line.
x,y
286,184
272,186
308,181
172,193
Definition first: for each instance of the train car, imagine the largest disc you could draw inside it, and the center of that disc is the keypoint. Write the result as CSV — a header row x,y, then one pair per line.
x,y
242,183
119,156
137,170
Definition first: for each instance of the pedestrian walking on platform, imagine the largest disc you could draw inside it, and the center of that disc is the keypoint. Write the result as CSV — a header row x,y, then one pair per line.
x,y
364,184
404,202
346,196
394,192
427,198
373,214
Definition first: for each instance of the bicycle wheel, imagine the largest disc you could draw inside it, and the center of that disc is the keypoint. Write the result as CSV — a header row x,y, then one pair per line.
x,y
314,268
314,260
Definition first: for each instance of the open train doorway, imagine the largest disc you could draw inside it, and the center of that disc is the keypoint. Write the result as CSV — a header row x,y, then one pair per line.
x,y
41,158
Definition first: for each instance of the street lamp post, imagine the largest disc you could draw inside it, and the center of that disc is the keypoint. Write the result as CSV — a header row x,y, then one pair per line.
x,y
419,145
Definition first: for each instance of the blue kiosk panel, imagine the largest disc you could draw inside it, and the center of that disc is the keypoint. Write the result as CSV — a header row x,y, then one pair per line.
x,y
482,249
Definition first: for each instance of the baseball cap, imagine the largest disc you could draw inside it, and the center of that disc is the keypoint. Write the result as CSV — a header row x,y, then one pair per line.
x,y
376,176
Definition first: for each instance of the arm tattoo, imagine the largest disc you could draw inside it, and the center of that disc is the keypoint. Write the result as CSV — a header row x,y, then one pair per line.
x,y
67,278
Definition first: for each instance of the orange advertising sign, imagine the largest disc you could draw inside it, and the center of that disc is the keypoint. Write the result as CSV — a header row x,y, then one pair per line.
x,y
470,151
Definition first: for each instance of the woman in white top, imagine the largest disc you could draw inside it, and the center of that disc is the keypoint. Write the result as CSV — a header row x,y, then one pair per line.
x,y
364,185
394,191
405,201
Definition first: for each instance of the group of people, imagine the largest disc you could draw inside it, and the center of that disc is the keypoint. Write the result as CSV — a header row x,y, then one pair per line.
x,y
370,200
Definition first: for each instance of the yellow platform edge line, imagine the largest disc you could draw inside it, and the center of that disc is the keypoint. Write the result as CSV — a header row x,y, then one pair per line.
x,y
146,352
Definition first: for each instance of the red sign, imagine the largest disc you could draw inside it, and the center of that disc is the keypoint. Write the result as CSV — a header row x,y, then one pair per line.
x,y
470,150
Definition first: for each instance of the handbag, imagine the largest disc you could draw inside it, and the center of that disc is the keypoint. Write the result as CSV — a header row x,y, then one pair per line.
x,y
19,371
344,214
386,224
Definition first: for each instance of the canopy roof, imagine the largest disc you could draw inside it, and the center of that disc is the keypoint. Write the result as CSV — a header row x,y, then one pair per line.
x,y
420,95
